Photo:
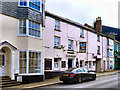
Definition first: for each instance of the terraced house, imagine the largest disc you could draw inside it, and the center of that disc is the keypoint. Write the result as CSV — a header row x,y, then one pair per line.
x,y
21,40
68,44
35,44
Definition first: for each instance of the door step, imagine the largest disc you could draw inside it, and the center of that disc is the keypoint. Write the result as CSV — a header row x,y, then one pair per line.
x,y
5,81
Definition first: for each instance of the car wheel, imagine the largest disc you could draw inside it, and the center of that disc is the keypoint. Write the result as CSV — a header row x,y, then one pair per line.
x,y
94,77
80,79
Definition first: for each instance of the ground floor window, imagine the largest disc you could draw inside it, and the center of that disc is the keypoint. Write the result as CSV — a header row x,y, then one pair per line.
x,y
2,60
63,64
48,64
22,61
29,62
56,64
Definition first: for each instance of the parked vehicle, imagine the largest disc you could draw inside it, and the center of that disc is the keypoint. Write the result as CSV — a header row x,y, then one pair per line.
x,y
77,74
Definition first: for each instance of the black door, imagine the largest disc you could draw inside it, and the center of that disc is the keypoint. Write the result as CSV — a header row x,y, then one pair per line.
x,y
69,63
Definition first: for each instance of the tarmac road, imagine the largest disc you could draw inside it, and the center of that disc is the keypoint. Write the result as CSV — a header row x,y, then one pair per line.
x,y
108,81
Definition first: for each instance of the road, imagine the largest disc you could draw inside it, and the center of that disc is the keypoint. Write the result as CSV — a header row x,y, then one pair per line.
x,y
108,81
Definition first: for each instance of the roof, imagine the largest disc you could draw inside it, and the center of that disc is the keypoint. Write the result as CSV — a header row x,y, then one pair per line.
x,y
66,20
5,42
107,30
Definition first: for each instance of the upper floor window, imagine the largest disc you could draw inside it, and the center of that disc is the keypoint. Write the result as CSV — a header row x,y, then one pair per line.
x,y
110,53
56,42
70,45
22,26
34,4
33,28
98,50
98,38
110,42
81,33
57,25
82,47
23,3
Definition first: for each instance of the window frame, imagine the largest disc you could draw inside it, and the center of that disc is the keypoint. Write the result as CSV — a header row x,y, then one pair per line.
x,y
70,44
98,50
98,38
59,39
63,65
28,5
28,29
57,25
82,34
27,62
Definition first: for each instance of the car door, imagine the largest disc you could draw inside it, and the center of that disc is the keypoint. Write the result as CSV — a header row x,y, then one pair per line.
x,y
82,73
87,74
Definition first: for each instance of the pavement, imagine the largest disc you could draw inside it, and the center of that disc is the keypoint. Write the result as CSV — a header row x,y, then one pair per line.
x,y
53,81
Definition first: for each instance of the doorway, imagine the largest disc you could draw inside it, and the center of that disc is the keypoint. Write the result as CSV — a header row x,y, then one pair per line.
x,y
3,65
70,63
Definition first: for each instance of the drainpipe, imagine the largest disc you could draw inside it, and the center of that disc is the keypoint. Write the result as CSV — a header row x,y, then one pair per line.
x,y
87,49
42,38
102,54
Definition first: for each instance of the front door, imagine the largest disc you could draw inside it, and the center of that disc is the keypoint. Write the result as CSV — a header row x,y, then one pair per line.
x,y
70,63
2,65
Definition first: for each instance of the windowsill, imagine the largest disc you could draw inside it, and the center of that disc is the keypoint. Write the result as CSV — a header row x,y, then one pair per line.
x,y
70,50
57,30
57,47
29,36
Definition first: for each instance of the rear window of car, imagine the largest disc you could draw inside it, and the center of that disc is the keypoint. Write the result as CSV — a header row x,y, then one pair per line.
x,y
78,70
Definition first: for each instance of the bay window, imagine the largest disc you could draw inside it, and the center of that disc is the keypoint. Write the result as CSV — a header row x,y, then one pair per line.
x,y
34,4
22,61
26,26
29,62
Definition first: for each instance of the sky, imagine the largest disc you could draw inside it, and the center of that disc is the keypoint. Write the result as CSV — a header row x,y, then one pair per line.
x,y
86,11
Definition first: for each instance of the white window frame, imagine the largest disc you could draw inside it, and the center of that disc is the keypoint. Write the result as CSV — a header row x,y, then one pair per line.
x,y
23,6
27,63
81,34
28,5
57,25
55,42
27,30
70,44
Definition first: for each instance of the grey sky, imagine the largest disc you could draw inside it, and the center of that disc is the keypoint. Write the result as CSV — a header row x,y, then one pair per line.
x,y
86,11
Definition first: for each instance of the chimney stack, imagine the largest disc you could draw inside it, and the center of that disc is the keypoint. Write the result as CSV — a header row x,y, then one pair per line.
x,y
98,24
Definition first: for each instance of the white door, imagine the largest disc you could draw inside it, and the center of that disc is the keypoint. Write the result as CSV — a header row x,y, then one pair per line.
x,y
2,65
